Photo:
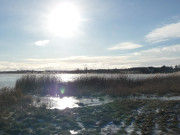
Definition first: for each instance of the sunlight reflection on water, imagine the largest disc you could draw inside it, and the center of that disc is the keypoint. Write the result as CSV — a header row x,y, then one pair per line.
x,y
68,102
73,132
55,102
67,77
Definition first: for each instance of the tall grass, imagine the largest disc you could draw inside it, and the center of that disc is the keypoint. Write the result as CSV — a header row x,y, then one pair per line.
x,y
124,86
28,84
38,84
161,85
87,86
9,96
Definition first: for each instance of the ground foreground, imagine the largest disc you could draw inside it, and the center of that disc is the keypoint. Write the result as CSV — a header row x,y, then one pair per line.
x,y
119,117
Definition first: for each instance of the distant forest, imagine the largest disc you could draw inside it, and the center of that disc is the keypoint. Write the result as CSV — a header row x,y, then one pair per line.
x,y
134,70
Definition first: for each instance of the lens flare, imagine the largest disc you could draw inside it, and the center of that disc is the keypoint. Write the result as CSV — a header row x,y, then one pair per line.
x,y
62,91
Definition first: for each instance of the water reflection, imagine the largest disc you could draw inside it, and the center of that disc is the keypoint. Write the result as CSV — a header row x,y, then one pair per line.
x,y
69,102
73,132
55,102
67,77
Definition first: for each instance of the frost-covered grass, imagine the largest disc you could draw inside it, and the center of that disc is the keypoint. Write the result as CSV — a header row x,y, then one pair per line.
x,y
118,117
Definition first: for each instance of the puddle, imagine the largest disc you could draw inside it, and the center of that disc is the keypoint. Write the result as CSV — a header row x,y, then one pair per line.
x,y
95,101
68,102
73,132
55,102
71,102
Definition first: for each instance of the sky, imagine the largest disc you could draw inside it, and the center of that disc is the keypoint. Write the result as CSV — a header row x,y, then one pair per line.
x,y
73,34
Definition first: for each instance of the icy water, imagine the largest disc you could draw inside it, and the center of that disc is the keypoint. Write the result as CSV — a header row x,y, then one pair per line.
x,y
72,102
69,102
8,80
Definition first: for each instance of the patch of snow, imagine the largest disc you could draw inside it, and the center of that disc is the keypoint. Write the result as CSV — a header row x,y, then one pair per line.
x,y
122,124
140,110
79,122
164,98
156,130
73,132
157,110
130,128
110,129
138,132
95,101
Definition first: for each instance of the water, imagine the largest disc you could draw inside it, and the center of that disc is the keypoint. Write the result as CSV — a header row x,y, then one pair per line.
x,y
71,102
68,102
8,80
55,102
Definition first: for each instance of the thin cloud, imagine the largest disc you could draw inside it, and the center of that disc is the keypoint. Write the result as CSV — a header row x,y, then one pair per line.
x,y
159,56
160,51
164,33
42,42
125,46
150,57
168,55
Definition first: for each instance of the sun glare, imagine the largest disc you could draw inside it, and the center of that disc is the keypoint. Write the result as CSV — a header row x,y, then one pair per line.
x,y
64,20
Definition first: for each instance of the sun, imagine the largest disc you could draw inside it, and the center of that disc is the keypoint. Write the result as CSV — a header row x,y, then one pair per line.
x,y
63,20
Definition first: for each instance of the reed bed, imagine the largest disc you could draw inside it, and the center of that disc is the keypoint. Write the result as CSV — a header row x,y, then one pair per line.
x,y
9,96
124,86
89,86
38,84
119,86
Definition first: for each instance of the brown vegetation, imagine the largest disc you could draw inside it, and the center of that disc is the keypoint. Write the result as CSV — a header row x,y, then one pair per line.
x,y
88,86
9,96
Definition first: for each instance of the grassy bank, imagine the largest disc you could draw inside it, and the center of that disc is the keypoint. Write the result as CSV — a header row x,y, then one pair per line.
x,y
120,86
89,86
121,117
9,96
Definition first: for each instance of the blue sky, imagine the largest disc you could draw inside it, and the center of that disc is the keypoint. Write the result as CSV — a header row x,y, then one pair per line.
x,y
71,34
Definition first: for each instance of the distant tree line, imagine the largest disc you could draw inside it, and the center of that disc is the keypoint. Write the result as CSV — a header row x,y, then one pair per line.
x,y
143,70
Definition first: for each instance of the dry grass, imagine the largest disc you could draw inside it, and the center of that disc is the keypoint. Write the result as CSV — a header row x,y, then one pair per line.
x,y
87,86
161,85
9,96
120,86
123,86
38,84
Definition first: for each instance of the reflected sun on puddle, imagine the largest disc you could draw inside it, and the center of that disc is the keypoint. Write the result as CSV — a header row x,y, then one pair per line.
x,y
65,102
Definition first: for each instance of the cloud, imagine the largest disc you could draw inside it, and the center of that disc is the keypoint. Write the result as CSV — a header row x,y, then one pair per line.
x,y
164,33
169,55
168,51
125,46
84,61
41,42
